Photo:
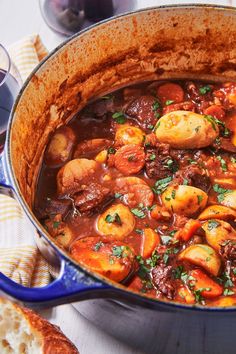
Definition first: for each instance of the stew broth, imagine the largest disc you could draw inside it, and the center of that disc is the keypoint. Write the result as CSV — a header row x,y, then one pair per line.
x,y
140,187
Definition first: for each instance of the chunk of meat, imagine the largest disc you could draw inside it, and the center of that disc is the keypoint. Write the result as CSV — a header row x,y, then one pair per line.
x,y
112,259
71,176
194,94
145,109
226,95
224,144
134,191
129,159
101,107
90,148
92,196
60,147
193,176
170,91
54,206
161,278
228,250
158,163
183,106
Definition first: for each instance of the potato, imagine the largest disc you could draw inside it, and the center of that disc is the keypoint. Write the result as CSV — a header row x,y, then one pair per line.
x,y
203,256
229,199
116,222
217,212
127,134
73,173
184,200
101,156
225,302
113,259
60,147
218,231
186,130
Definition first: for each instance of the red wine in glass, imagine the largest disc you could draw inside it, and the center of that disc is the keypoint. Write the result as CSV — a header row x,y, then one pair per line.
x,y
69,16
9,87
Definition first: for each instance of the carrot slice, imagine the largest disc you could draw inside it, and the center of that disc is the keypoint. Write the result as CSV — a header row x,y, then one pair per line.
x,y
130,159
170,92
207,286
188,230
149,242
215,111
112,259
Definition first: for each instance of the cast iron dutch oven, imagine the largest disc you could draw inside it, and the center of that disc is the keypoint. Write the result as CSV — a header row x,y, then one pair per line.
x,y
157,43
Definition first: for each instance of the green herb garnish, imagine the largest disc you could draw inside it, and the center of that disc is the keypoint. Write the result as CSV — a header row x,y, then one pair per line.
x,y
115,218
119,117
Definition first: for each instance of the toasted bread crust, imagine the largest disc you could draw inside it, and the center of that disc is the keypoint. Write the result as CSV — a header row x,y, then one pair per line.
x,y
54,341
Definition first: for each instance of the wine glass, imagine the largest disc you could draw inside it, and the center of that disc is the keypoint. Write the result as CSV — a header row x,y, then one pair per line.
x,y
9,88
69,16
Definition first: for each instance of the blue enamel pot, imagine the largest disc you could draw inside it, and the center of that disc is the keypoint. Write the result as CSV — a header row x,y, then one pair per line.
x,y
157,43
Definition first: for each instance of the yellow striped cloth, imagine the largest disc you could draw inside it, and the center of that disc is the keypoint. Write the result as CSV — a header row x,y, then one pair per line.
x,y
20,259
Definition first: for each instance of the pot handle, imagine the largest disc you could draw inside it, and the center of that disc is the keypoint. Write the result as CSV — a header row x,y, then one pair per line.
x,y
71,285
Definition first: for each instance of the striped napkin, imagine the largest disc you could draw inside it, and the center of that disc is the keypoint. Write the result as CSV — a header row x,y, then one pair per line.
x,y
20,259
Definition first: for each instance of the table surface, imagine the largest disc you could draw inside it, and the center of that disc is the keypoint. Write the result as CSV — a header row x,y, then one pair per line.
x,y
18,19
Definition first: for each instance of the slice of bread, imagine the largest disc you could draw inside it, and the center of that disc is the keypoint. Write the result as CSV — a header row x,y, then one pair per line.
x,y
22,331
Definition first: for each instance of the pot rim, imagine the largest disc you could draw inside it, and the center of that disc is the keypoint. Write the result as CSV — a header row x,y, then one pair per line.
x,y
14,184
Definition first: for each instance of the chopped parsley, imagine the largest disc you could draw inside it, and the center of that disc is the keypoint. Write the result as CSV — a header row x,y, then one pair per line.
x,y
222,163
233,159
139,231
117,251
131,158
228,292
138,212
185,182
177,272
173,194
155,106
115,218
161,185
98,246
118,195
211,120
171,165
111,151
198,295
204,89
150,126
56,224
192,162
199,199
152,261
169,102
166,239
119,117
152,157
212,224
221,192
158,125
